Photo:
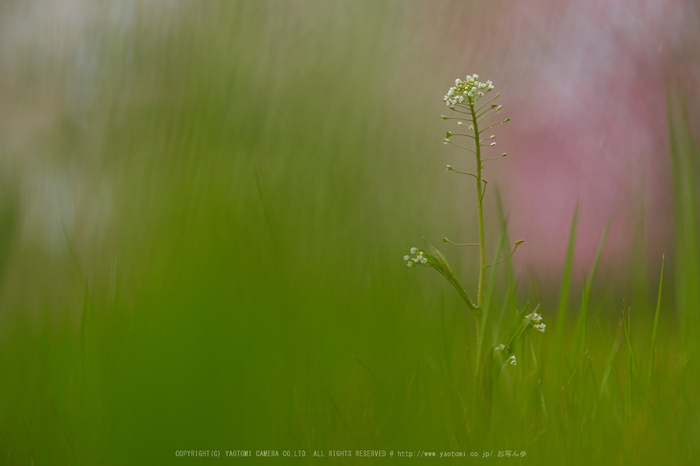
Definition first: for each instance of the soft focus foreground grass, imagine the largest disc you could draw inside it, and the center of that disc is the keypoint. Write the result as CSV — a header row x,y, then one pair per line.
x,y
269,171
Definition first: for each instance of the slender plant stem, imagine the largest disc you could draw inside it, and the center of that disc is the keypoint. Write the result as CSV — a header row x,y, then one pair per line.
x,y
479,198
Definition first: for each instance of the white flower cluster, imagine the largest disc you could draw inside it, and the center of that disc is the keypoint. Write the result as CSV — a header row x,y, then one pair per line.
x,y
470,91
535,317
511,359
418,259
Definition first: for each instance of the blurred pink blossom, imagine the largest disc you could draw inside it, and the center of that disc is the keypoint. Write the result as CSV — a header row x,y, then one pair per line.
x,y
586,87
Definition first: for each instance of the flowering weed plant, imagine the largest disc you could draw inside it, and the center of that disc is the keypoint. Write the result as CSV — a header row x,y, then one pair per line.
x,y
464,100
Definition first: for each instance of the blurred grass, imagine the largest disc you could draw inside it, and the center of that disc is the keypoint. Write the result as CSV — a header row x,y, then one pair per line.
x,y
270,165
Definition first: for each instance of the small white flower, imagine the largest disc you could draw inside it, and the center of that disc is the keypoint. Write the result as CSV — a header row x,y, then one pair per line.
x,y
500,347
540,327
512,360
409,263
413,250
468,91
406,258
492,144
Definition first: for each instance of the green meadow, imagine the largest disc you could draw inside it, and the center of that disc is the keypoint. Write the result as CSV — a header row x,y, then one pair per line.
x,y
267,165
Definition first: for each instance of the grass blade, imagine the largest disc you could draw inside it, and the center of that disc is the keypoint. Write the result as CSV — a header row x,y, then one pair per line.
x,y
631,364
611,361
579,346
652,356
562,308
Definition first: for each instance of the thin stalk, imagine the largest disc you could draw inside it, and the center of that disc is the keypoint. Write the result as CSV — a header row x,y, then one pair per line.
x,y
479,197
652,358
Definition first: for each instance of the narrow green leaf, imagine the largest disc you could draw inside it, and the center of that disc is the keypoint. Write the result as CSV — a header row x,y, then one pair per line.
x,y
563,305
611,361
652,356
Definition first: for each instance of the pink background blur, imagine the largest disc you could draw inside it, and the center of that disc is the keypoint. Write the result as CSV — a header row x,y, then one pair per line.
x,y
585,84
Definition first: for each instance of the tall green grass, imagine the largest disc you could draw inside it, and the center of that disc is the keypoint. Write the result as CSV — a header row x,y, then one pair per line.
x,y
249,293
